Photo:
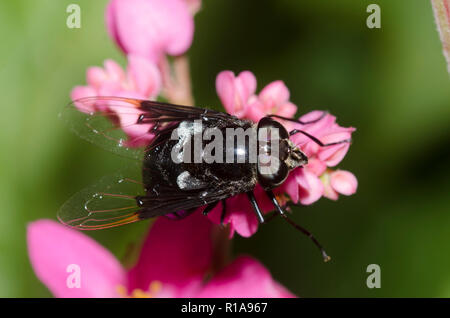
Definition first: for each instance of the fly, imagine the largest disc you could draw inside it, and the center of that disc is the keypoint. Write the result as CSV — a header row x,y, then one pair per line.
x,y
181,171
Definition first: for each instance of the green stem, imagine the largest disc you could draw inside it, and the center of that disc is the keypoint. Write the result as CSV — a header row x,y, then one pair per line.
x,y
441,9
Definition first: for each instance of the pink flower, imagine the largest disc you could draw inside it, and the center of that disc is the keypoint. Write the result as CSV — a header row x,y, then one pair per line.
x,y
151,28
308,184
141,80
237,94
273,99
305,185
339,181
194,5
240,215
175,261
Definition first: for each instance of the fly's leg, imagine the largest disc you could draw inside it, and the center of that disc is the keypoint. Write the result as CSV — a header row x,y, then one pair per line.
x,y
210,207
255,206
272,197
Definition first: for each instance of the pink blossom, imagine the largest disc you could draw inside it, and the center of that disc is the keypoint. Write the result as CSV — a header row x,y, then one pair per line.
x,y
339,181
151,28
236,91
141,80
175,261
237,94
305,185
308,184
239,213
194,5
273,99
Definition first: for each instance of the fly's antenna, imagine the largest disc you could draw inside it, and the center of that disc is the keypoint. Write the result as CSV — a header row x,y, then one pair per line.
x,y
298,121
317,141
325,256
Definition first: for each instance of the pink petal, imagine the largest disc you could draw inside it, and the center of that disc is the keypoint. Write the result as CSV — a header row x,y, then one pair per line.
x,y
80,92
225,89
246,84
144,75
53,247
235,92
95,76
314,115
244,222
255,110
328,190
332,155
177,253
244,278
310,186
344,182
138,135
239,215
150,28
114,71
291,187
194,5
287,110
316,166
275,93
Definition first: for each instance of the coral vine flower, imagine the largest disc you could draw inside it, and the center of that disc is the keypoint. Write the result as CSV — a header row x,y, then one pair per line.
x,y
237,94
236,91
175,261
141,80
306,184
151,28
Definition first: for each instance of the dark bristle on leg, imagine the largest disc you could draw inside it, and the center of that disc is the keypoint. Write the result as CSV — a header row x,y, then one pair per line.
x,y
272,197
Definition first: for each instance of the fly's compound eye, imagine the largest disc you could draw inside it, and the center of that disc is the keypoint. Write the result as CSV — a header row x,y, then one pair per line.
x,y
271,125
272,151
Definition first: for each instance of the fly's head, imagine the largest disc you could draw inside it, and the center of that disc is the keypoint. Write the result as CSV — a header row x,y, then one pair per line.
x,y
277,155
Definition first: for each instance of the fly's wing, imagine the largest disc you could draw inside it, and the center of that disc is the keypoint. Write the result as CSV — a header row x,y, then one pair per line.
x,y
109,203
126,125
118,200
180,203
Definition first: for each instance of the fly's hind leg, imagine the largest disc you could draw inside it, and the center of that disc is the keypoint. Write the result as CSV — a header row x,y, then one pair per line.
x,y
210,207
255,206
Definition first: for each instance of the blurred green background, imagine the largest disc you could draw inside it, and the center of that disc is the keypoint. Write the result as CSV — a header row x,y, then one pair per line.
x,y
390,83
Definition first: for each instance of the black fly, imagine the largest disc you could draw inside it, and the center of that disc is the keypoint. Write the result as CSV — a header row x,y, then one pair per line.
x,y
176,189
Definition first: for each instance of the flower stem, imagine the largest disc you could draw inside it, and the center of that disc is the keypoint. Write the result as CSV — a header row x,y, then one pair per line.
x,y
177,80
221,248
441,10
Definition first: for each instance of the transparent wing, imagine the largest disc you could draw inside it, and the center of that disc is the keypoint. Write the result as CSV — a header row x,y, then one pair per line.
x,y
125,125
109,203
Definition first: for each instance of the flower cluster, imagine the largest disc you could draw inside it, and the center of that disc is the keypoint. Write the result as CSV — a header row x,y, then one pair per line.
x,y
305,185
178,257
168,266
